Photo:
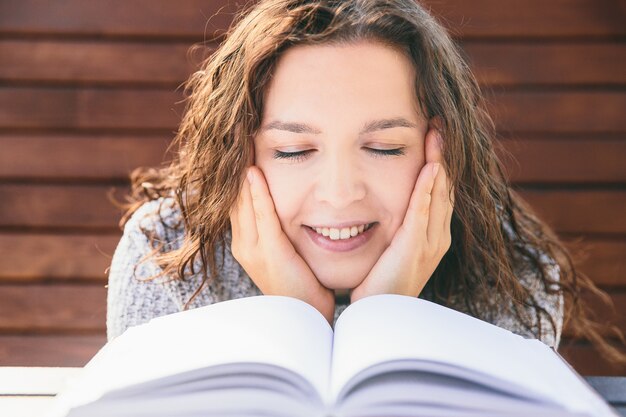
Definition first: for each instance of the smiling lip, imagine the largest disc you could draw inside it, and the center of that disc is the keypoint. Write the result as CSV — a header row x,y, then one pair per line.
x,y
340,225
340,245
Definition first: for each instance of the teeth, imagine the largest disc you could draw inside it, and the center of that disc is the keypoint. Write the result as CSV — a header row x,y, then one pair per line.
x,y
344,233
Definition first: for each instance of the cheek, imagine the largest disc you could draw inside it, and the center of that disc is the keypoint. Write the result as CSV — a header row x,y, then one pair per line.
x,y
287,194
396,192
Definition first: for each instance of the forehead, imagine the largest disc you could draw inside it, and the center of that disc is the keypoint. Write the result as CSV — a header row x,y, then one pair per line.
x,y
342,80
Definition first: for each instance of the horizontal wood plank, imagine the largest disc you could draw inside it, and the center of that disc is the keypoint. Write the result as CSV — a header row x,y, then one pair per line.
x,y
113,157
587,361
48,257
580,211
27,205
58,206
49,350
558,112
79,157
188,18
143,18
52,308
548,63
603,313
90,108
556,160
602,260
91,62
531,19
168,63
62,108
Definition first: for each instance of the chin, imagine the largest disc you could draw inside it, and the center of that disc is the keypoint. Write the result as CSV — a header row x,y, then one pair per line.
x,y
336,280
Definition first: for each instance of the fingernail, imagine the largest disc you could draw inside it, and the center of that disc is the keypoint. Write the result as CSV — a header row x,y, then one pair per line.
x,y
250,176
435,169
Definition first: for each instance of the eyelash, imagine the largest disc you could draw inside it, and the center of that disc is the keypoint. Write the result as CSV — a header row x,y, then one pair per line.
x,y
301,155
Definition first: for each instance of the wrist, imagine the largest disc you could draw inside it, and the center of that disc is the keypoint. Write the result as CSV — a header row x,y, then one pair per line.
x,y
324,302
320,297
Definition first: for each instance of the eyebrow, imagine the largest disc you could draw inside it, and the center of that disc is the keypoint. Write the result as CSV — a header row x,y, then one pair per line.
x,y
371,126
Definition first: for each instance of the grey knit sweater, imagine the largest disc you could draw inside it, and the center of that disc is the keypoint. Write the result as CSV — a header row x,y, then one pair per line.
x,y
133,299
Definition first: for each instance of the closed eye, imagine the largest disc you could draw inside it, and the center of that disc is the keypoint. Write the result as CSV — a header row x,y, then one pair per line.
x,y
294,156
386,152
301,155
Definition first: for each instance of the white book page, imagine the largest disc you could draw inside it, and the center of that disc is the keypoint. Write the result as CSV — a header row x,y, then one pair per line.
x,y
390,327
275,330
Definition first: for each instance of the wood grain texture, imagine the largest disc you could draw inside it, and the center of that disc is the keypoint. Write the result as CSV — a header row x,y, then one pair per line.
x,y
188,18
87,62
90,108
52,308
96,62
569,211
28,257
106,157
143,18
58,206
80,108
559,111
547,63
531,19
103,157
562,160
49,350
602,260
605,313
587,361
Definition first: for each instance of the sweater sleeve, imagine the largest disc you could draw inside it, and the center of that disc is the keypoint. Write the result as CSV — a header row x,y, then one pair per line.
x,y
133,297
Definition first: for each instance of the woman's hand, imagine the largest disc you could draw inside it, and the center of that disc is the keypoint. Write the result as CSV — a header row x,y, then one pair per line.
x,y
264,251
423,238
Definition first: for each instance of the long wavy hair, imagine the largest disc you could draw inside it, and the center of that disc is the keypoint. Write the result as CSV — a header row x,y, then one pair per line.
x,y
224,102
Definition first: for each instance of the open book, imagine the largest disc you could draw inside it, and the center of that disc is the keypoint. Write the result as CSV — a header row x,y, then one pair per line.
x,y
389,355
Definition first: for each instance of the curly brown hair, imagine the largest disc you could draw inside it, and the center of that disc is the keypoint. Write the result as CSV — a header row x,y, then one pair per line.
x,y
224,107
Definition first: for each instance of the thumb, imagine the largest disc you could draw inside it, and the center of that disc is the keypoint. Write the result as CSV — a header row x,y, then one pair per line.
x,y
267,222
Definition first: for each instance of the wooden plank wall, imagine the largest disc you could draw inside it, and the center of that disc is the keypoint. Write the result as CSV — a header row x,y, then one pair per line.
x,y
88,90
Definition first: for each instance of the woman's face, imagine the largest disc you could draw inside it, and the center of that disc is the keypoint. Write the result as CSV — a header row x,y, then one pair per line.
x,y
348,117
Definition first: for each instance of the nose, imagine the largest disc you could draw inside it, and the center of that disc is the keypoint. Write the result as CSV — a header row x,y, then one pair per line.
x,y
339,182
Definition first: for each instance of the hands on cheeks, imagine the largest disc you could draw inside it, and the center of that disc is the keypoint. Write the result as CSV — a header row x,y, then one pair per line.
x,y
423,238
266,253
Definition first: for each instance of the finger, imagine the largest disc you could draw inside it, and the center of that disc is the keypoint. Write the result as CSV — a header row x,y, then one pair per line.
x,y
234,223
234,216
438,207
446,226
433,144
243,219
249,233
267,223
416,218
